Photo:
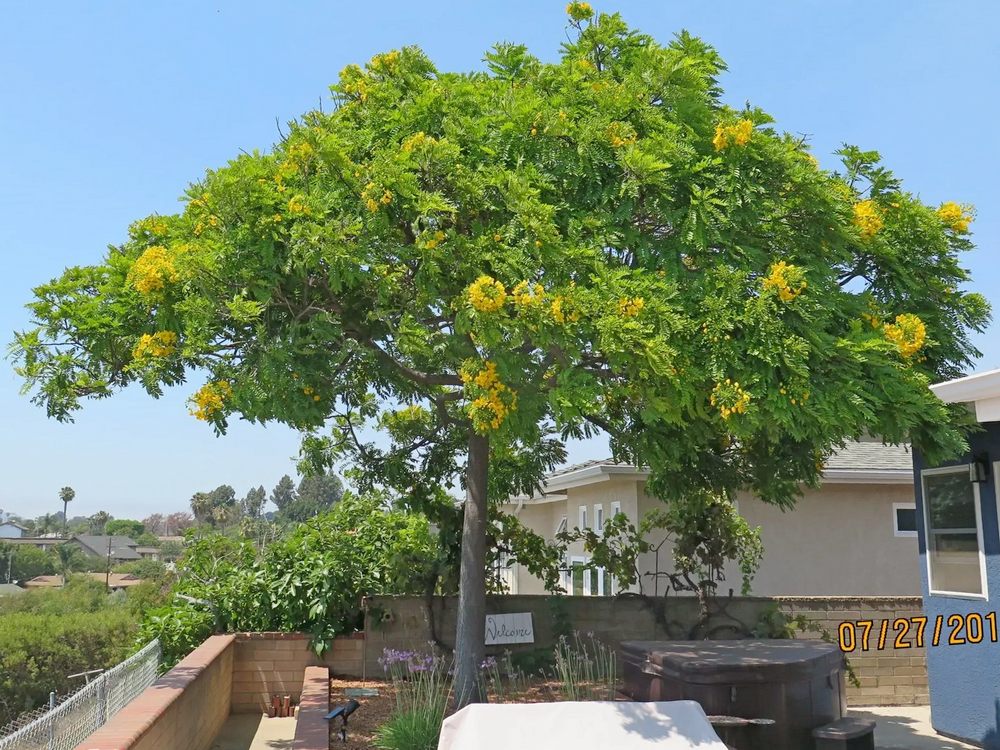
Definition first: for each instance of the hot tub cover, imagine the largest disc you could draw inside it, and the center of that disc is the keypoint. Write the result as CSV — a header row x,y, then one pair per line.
x,y
598,725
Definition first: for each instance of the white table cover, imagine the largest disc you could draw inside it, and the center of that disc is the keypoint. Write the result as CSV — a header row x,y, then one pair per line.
x,y
598,725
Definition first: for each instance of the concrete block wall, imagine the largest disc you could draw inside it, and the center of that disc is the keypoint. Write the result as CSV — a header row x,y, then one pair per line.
x,y
267,664
889,676
183,710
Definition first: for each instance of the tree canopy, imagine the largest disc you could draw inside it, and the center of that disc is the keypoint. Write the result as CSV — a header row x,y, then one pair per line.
x,y
482,265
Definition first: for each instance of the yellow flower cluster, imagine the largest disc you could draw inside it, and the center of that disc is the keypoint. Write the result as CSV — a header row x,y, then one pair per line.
x,y
730,398
908,333
867,218
525,295
417,141
372,199
489,410
630,306
486,294
954,216
150,225
385,62
803,397
434,240
559,313
786,279
621,134
298,205
210,398
152,271
579,11
732,135
353,82
301,152
159,344
310,391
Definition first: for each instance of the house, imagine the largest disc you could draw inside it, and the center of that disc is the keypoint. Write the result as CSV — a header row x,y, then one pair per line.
x,y
115,581
10,589
959,567
855,535
148,553
119,548
44,543
11,530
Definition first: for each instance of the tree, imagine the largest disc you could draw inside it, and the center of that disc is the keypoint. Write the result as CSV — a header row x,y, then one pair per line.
x,y
124,527
484,265
66,494
177,523
283,493
316,494
216,508
155,524
67,559
253,503
171,551
21,562
98,522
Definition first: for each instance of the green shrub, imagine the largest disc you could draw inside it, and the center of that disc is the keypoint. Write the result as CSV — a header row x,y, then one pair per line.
x,y
414,729
39,651
180,630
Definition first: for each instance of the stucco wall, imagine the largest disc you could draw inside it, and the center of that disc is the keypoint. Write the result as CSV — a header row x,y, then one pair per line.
x,y
837,541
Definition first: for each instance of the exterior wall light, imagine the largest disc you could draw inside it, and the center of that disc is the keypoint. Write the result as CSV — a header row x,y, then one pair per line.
x,y
979,469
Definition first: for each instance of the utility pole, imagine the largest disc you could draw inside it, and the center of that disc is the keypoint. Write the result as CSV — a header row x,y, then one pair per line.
x,y
107,574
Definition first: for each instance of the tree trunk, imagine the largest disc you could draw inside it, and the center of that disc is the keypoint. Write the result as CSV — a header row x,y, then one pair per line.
x,y
470,636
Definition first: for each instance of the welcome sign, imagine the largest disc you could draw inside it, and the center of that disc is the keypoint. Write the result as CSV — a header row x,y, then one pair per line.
x,y
514,628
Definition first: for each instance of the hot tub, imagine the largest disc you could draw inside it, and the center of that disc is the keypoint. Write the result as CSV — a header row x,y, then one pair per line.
x,y
798,684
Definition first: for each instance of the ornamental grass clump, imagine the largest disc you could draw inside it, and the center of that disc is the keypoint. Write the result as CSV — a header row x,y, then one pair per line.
x,y
586,669
422,686
501,681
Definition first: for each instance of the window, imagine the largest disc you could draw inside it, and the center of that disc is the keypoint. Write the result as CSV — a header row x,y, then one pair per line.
x,y
599,518
561,527
583,518
955,563
904,519
616,508
580,580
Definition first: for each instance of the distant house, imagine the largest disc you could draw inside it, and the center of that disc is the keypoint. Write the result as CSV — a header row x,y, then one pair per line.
x,y
120,548
148,553
855,535
44,543
116,581
10,589
11,530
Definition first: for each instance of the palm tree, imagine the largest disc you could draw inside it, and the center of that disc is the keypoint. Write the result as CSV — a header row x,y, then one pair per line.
x,y
67,559
98,521
66,494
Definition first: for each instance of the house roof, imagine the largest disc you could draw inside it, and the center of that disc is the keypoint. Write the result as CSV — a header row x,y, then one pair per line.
x,y
15,524
115,580
10,589
866,462
981,389
122,547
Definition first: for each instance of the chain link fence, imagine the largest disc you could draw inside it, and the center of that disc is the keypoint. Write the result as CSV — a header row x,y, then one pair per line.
x,y
66,723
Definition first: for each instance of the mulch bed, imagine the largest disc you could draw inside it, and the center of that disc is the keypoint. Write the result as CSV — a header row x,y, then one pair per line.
x,y
376,710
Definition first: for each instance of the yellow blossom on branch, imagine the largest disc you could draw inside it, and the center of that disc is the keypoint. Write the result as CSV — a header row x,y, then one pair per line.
x,y
210,399
579,11
493,400
298,205
486,294
867,218
729,398
733,135
434,240
954,216
908,333
159,344
630,306
417,141
786,279
152,271
526,295
621,134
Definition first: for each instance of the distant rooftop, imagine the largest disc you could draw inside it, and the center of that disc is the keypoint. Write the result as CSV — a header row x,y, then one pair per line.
x,y
122,547
857,462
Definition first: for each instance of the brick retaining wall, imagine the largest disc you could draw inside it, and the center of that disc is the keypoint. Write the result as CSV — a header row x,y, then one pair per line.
x,y
183,709
312,730
888,677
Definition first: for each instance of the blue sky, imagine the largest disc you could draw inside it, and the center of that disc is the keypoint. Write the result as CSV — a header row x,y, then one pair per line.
x,y
107,110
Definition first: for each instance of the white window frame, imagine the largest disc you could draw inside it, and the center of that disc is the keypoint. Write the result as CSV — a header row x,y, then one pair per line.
x,y
587,573
616,508
598,518
562,525
964,469
896,531
583,518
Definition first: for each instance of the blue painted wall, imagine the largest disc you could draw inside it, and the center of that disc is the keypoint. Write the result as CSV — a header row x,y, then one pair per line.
x,y
965,679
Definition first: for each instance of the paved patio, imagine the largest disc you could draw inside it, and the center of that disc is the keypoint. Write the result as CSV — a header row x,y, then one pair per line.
x,y
255,732
905,728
